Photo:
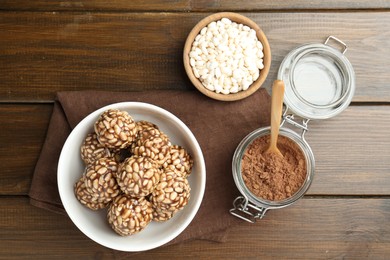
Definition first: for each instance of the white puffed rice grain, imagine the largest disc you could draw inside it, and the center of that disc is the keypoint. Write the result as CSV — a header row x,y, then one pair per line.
x,y
226,57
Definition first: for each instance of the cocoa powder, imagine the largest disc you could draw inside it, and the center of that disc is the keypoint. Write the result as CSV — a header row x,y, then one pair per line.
x,y
269,176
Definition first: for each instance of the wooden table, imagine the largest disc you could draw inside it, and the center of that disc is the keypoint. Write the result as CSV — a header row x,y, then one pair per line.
x,y
50,46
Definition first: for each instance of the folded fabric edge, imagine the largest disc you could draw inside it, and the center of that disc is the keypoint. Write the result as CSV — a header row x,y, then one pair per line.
x,y
48,206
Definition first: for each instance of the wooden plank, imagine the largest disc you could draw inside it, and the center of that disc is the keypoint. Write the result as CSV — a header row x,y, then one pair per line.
x,y
352,156
96,5
309,229
23,130
205,5
352,152
186,5
42,53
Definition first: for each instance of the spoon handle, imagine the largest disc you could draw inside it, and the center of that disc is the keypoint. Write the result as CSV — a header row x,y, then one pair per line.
x,y
276,111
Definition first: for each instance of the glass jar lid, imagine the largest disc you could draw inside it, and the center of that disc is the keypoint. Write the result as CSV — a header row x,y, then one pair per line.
x,y
319,80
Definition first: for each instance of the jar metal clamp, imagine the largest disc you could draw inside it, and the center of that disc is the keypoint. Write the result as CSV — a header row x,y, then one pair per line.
x,y
319,84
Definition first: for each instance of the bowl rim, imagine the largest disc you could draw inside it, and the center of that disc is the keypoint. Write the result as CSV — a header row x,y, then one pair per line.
x,y
235,17
85,123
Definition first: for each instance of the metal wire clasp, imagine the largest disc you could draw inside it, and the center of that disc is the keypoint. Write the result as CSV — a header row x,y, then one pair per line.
x,y
339,41
244,210
290,118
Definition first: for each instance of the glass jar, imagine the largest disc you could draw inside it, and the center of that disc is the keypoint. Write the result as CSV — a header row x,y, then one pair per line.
x,y
319,83
319,80
252,206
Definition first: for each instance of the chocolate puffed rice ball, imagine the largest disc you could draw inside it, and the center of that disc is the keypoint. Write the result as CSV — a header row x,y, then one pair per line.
x,y
170,195
143,124
88,199
115,129
92,149
155,147
128,216
100,179
161,215
147,132
179,160
138,176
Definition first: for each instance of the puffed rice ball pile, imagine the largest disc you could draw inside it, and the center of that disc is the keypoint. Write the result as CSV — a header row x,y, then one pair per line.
x,y
226,56
133,170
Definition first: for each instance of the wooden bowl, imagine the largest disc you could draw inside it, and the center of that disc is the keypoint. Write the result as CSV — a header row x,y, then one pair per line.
x,y
240,19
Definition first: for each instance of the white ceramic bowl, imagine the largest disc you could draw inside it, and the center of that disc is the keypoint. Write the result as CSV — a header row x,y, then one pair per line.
x,y
94,223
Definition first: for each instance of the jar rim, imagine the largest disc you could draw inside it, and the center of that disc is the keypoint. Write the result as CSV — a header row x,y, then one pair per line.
x,y
319,52
307,71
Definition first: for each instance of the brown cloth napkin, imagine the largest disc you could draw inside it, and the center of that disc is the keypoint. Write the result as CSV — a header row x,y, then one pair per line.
x,y
218,126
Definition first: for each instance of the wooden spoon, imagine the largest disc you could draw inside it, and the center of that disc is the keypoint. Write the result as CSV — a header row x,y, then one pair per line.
x,y
276,115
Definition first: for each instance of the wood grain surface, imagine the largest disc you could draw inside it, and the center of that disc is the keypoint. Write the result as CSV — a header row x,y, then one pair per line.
x,y
311,229
190,5
50,46
43,53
